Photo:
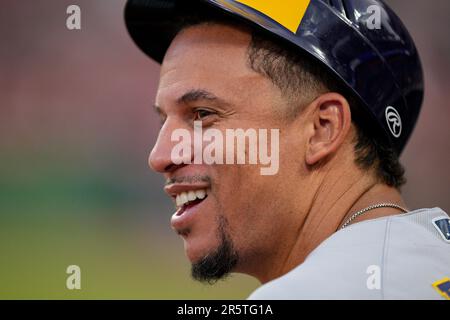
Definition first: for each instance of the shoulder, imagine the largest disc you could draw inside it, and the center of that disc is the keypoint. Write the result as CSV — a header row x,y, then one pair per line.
x,y
396,257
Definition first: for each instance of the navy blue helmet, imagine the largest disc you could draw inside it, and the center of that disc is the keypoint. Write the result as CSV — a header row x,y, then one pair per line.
x,y
362,42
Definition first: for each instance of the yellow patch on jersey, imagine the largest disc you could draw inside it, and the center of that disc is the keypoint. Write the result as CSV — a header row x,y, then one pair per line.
x,y
288,13
443,287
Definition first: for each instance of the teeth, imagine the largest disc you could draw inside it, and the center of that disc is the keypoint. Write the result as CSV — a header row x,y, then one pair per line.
x,y
191,195
185,197
201,194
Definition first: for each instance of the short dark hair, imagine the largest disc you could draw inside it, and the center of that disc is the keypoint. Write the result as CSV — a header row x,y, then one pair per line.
x,y
290,69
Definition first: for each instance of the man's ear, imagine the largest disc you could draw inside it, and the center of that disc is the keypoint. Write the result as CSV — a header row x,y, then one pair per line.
x,y
331,119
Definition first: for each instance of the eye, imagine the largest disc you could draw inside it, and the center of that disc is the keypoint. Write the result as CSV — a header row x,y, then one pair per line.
x,y
201,114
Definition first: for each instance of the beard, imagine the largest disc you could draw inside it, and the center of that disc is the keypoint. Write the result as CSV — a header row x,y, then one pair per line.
x,y
218,264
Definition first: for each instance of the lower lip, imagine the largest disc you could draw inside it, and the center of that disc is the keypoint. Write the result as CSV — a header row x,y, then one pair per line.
x,y
183,219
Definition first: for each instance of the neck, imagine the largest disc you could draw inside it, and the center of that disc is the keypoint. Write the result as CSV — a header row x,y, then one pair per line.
x,y
334,201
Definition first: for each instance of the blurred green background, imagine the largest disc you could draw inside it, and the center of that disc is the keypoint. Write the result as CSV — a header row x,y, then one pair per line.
x,y
76,127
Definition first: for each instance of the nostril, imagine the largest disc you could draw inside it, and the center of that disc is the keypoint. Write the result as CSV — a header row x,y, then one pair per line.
x,y
162,164
172,167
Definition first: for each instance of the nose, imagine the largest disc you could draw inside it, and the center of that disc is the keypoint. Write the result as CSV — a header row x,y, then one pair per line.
x,y
161,158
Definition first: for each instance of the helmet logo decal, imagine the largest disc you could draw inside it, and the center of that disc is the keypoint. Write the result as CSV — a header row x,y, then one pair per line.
x,y
394,121
288,13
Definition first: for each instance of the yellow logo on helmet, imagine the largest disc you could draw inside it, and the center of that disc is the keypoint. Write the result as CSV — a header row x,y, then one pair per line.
x,y
288,13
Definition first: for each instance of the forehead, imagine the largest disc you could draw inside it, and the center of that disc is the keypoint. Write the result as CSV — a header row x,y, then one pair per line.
x,y
208,44
207,55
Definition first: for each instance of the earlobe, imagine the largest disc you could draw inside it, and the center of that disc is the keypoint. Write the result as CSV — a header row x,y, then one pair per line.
x,y
331,119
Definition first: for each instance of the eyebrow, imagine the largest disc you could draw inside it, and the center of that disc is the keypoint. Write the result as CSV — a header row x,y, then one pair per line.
x,y
196,95
199,94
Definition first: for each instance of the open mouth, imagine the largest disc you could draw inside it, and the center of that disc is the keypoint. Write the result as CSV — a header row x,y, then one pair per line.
x,y
188,199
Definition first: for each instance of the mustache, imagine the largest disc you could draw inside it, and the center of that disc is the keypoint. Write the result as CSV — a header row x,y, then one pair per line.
x,y
188,179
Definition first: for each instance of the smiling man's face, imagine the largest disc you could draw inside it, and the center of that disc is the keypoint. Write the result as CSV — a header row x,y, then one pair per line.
x,y
245,217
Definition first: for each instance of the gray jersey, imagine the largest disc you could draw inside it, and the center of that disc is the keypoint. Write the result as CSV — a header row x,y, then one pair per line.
x,y
397,257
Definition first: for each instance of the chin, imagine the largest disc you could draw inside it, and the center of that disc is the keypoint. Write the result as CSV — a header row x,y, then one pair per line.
x,y
197,247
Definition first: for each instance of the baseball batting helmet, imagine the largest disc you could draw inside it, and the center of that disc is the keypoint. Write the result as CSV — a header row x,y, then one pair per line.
x,y
375,59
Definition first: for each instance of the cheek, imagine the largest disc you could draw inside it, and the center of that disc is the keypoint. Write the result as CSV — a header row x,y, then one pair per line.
x,y
292,152
234,185
247,200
